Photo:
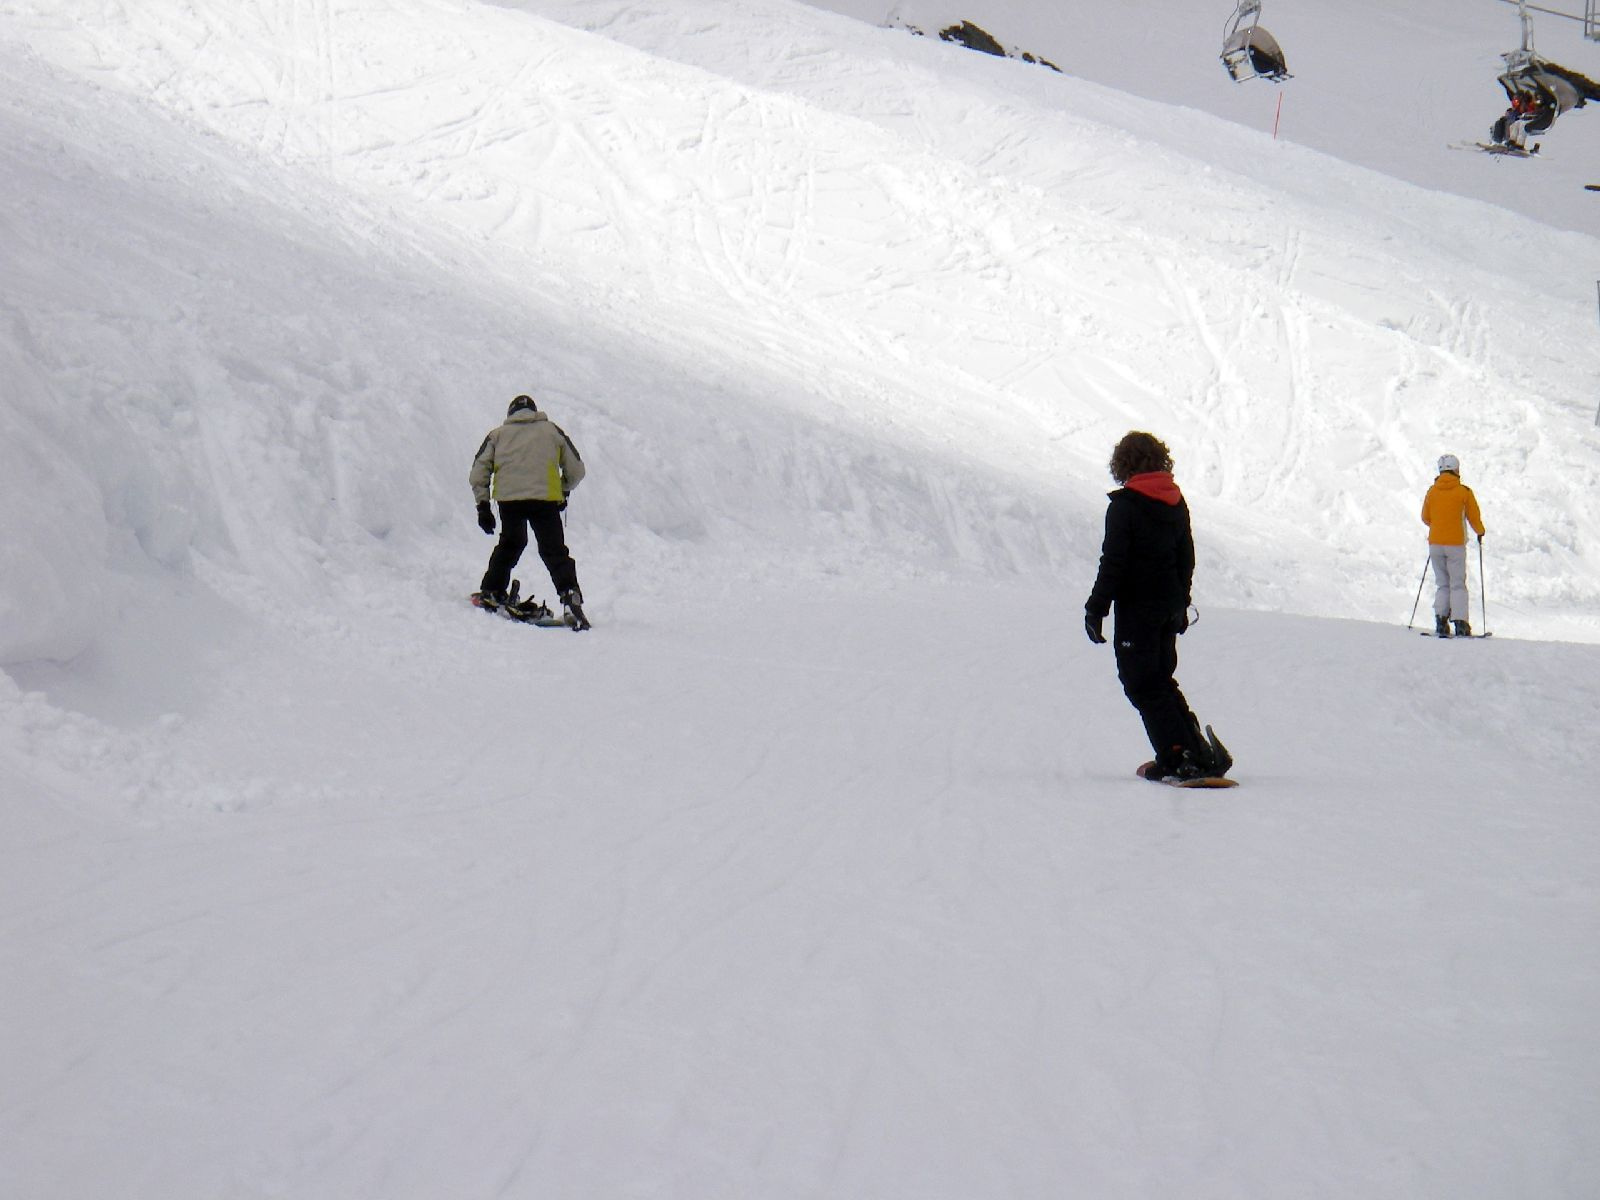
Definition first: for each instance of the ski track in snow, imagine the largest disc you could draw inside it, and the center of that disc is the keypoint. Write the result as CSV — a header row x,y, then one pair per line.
x,y
818,868
932,939
931,289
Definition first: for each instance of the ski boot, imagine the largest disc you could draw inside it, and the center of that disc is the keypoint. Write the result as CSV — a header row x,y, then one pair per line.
x,y
1462,629
1441,627
572,609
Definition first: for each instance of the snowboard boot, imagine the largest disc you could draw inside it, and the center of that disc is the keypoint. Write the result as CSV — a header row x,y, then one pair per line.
x,y
1463,629
1169,764
572,608
1187,769
1191,767
489,601
1441,627
1207,759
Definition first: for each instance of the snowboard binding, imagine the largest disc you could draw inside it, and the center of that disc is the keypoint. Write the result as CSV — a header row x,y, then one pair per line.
x,y
530,611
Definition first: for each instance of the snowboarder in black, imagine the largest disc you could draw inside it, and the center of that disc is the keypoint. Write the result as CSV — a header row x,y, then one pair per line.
x,y
530,466
1146,573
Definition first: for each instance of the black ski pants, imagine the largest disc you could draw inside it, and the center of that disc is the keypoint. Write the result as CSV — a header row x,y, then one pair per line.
x,y
1147,658
544,518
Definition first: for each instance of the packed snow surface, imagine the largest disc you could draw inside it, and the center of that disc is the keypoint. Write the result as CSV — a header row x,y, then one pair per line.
x,y
818,867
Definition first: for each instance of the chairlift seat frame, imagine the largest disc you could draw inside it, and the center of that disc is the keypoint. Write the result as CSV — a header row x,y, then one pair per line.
x,y
1249,51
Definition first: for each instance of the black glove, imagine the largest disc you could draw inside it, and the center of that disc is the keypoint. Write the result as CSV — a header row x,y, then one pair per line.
x,y
485,517
1091,625
1181,622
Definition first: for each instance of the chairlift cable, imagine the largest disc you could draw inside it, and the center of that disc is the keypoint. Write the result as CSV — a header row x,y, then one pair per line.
x,y
1548,11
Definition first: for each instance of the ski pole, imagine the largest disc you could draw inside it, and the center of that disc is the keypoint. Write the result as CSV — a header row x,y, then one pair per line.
x,y
1483,589
1420,582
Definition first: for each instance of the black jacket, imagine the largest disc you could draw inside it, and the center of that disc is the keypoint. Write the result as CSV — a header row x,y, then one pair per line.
x,y
1147,558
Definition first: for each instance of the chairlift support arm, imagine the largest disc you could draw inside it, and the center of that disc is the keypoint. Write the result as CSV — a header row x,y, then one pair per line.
x,y
1590,18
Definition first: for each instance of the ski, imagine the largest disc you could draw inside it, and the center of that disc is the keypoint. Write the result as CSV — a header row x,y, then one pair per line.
x,y
1496,148
1465,637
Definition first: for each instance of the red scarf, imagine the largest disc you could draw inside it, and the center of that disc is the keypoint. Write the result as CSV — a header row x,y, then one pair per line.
x,y
1158,485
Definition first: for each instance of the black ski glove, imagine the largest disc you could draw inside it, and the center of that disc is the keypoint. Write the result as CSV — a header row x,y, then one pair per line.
x,y
485,517
1091,625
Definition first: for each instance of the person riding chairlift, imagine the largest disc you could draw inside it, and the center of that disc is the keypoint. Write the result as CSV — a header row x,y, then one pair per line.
x,y
1528,114
1539,92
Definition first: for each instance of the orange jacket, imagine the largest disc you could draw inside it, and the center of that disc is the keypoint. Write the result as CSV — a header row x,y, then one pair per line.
x,y
1447,509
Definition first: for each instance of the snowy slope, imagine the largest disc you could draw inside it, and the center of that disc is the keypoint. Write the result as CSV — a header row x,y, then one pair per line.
x,y
955,260
251,405
817,869
1390,87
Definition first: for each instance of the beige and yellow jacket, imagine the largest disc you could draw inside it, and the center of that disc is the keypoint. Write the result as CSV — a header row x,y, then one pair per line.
x,y
527,458
1447,510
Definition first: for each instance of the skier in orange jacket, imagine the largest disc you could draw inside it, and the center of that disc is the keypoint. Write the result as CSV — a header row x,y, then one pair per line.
x,y
1447,510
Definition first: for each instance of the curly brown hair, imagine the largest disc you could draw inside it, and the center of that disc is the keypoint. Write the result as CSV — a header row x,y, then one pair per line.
x,y
1138,453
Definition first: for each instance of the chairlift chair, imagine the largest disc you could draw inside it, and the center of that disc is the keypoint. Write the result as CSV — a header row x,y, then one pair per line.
x,y
1249,51
1553,89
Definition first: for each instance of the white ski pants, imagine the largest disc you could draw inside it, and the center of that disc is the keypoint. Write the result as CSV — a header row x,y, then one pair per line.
x,y
1450,581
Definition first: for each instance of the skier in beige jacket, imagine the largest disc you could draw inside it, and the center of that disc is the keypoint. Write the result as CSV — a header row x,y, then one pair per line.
x,y
528,466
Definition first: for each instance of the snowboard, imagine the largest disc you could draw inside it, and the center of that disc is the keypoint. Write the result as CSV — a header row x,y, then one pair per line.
x,y
1591,187
1211,782
530,612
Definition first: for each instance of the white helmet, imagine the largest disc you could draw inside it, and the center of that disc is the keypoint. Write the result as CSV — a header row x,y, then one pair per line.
x,y
1449,462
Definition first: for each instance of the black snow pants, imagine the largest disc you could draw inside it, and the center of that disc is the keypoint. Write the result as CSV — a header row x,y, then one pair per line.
x,y
1147,657
544,518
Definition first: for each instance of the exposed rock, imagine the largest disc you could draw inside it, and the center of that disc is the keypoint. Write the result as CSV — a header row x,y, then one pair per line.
x,y
975,37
